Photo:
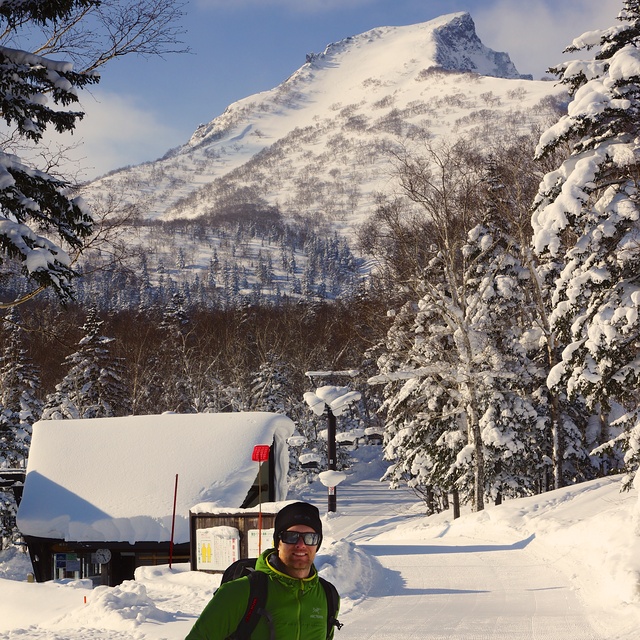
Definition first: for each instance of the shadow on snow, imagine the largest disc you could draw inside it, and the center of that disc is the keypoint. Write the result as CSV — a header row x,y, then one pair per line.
x,y
413,549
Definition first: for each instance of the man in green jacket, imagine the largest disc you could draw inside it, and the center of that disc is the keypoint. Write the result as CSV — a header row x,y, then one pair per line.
x,y
296,601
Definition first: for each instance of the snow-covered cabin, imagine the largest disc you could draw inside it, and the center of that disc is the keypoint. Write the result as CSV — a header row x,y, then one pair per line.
x,y
99,494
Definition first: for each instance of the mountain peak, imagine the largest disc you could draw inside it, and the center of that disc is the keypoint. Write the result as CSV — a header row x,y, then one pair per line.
x,y
449,42
383,56
458,48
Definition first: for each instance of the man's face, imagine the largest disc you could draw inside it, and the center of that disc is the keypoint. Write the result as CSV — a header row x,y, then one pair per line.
x,y
297,558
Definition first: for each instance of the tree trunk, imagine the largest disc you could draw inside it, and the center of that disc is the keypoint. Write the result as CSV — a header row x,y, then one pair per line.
x,y
455,498
478,471
478,489
557,437
430,500
604,437
558,443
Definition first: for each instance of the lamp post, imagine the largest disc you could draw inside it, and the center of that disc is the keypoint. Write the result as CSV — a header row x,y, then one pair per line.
x,y
333,401
331,455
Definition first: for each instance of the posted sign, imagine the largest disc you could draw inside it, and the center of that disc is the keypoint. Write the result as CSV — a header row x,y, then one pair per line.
x,y
217,547
252,541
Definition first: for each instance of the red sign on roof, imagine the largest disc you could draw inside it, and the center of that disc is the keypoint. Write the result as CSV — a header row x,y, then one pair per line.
x,y
260,453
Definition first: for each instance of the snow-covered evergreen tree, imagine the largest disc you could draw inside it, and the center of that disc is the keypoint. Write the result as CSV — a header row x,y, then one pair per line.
x,y
94,386
271,389
171,380
424,432
19,405
586,218
465,416
39,218
180,375
466,400
498,309
19,409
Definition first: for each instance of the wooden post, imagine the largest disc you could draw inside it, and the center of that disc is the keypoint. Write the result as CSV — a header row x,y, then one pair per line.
x,y
173,521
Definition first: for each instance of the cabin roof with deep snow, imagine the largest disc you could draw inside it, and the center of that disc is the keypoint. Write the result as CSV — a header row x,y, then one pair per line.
x,y
113,479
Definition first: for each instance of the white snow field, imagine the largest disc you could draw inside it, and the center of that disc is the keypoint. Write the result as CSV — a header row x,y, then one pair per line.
x,y
561,566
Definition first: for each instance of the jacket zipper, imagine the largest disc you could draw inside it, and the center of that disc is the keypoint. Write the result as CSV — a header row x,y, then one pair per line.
x,y
299,598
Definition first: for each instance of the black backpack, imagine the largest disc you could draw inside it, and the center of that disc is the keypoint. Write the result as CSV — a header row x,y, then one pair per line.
x,y
258,598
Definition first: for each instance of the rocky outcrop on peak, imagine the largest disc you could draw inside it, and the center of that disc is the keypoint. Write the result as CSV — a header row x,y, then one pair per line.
x,y
458,48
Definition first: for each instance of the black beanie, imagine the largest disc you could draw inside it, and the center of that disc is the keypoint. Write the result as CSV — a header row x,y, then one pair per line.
x,y
297,513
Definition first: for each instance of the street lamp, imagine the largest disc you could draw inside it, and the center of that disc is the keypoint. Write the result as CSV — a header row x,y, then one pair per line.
x,y
333,400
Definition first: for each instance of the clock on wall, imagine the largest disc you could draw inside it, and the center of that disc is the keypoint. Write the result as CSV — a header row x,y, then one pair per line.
x,y
103,556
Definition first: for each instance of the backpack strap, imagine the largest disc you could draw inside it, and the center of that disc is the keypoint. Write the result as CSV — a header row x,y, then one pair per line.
x,y
333,601
255,608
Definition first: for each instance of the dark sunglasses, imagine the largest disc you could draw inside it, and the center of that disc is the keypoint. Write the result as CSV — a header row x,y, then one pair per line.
x,y
292,537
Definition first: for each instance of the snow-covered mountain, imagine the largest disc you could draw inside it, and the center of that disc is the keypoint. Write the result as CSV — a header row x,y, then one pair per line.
x,y
263,201
312,146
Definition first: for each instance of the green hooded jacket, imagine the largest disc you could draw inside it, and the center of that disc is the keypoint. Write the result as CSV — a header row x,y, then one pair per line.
x,y
298,607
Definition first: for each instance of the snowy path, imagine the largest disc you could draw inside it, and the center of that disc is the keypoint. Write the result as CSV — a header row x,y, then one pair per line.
x,y
468,592
461,588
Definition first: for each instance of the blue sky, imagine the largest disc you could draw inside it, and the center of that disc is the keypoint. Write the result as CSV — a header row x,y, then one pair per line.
x,y
143,107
